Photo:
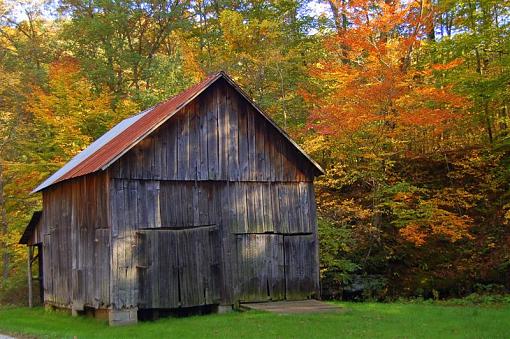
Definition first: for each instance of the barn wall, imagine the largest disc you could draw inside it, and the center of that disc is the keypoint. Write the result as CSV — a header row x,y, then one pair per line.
x,y
217,163
243,207
76,241
219,136
235,208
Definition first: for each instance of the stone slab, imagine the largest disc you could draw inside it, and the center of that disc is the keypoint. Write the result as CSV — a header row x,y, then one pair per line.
x,y
123,317
293,307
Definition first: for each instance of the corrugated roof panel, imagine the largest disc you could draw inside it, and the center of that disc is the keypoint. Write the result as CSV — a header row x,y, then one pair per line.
x,y
91,149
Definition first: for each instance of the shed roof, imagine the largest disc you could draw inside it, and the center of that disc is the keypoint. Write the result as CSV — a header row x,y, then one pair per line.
x,y
116,142
29,230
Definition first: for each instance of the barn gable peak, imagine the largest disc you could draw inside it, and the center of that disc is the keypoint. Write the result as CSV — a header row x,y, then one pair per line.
x,y
125,135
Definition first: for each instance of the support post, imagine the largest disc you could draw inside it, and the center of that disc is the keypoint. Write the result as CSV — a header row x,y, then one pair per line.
x,y
224,309
29,276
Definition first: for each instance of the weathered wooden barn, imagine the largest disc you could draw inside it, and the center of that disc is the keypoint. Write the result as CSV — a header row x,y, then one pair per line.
x,y
199,200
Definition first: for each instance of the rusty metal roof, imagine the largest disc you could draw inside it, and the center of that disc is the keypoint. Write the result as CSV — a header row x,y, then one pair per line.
x,y
121,138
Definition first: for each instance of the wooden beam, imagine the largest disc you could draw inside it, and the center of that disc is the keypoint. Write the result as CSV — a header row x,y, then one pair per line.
x,y
29,276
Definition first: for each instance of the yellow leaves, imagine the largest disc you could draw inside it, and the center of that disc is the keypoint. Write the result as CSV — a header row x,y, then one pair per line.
x,y
436,223
450,225
457,198
69,109
242,34
315,144
506,209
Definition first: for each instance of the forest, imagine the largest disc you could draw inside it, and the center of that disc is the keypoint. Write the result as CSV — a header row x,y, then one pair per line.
x,y
404,103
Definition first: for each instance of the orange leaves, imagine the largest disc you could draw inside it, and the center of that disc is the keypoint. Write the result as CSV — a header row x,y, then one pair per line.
x,y
428,220
450,225
449,65
414,233
442,224
370,75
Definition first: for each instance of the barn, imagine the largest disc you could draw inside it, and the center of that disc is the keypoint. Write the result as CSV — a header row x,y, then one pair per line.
x,y
199,201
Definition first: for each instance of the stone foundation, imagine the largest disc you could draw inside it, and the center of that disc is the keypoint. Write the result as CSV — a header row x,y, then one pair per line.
x,y
122,317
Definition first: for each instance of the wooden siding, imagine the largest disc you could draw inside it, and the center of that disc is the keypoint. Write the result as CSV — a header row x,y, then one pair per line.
x,y
301,271
179,268
276,267
219,136
202,211
216,162
243,207
237,208
76,243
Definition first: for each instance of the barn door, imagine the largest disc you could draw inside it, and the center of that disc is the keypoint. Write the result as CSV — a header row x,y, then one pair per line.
x,y
178,268
199,266
276,267
260,267
301,271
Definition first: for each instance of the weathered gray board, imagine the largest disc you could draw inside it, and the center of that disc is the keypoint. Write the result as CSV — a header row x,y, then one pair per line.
x,y
243,207
76,243
216,162
260,267
301,271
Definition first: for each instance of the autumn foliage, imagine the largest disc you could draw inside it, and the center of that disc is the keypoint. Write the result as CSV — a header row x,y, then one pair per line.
x,y
369,75
404,103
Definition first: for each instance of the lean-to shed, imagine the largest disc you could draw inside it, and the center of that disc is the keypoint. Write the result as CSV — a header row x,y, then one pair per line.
x,y
199,200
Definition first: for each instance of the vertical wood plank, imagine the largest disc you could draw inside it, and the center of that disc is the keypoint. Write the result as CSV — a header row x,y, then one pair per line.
x,y
212,135
222,126
233,148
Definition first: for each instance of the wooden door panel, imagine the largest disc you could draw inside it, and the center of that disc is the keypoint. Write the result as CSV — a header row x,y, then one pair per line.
x,y
199,273
158,266
178,268
301,280
260,271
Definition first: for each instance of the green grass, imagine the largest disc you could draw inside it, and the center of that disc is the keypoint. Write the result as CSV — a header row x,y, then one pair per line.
x,y
367,320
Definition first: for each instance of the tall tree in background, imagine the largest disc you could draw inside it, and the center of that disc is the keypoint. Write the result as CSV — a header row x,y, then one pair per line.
x,y
381,106
267,50
68,115
24,49
120,43
481,39
370,74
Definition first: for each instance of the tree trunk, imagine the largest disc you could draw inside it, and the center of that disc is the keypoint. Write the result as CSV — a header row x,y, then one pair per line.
x,y
428,11
3,228
337,16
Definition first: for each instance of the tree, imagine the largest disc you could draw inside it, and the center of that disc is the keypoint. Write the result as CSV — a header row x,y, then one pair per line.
x,y
68,115
25,40
119,43
369,78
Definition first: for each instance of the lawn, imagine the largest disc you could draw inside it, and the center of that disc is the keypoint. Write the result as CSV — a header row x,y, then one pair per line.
x,y
367,320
